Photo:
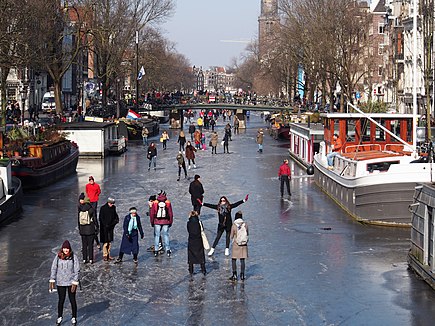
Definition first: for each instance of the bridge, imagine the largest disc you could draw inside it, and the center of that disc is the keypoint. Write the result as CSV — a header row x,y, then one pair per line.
x,y
226,106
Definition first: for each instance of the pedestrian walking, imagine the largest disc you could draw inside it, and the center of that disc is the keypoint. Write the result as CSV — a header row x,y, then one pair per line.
x,y
191,130
223,208
284,175
164,138
259,139
195,246
151,200
239,235
93,192
190,155
161,218
214,142
145,134
228,130
152,155
196,192
108,219
64,275
225,142
181,140
181,165
212,123
197,137
88,227
200,123
236,125
132,227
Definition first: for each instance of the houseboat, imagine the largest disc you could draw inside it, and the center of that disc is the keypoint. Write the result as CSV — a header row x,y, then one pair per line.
x,y
422,252
45,162
374,176
305,141
11,193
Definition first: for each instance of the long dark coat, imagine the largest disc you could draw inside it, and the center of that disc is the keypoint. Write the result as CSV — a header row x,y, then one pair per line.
x,y
196,191
225,221
130,245
89,229
108,219
195,247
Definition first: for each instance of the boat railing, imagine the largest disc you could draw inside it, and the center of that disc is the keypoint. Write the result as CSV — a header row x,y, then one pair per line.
x,y
397,148
362,148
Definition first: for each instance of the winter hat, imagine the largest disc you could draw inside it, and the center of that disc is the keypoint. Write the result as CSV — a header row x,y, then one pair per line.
x,y
111,200
133,210
238,215
91,178
66,244
197,177
82,196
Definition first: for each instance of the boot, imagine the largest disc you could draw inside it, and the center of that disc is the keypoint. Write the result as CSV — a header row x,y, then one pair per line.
x,y
58,321
233,277
242,276
203,269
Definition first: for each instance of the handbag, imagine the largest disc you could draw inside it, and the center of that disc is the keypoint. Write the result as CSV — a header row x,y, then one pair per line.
x,y
223,142
209,143
204,238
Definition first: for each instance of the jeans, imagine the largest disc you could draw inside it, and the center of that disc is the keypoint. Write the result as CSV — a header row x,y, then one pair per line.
x,y
164,229
145,141
88,247
330,158
285,180
260,147
153,160
61,291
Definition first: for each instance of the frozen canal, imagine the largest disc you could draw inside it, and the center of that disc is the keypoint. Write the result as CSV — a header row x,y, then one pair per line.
x,y
309,263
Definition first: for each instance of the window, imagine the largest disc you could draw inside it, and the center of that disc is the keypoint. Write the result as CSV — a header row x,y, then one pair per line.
x,y
381,29
380,70
380,50
380,166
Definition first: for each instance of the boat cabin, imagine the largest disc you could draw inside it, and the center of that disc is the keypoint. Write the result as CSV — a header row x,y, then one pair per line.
x,y
360,134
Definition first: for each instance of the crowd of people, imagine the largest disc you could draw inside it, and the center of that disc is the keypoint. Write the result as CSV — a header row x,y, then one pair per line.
x,y
98,226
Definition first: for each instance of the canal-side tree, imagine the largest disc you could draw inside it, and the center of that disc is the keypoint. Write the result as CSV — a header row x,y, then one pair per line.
x,y
113,30
13,49
54,39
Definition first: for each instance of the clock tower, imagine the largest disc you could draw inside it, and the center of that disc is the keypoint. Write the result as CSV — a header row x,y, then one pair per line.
x,y
268,22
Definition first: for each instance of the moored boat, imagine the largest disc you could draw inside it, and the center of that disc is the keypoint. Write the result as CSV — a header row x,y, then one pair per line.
x,y
45,163
11,193
374,176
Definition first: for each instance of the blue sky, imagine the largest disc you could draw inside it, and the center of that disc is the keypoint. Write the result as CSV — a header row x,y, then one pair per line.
x,y
212,32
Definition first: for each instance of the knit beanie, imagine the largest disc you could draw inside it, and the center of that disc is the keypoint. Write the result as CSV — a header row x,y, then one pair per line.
x,y
66,244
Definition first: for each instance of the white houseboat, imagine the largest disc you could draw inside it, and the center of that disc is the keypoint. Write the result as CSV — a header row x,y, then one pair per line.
x,y
375,175
305,141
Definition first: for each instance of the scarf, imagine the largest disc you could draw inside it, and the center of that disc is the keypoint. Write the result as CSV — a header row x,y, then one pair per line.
x,y
132,225
223,209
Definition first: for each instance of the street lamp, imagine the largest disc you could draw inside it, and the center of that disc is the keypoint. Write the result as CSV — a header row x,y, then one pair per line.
x,y
23,100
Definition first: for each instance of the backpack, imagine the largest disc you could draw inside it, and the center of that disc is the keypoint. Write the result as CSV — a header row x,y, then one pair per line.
x,y
162,211
242,234
84,218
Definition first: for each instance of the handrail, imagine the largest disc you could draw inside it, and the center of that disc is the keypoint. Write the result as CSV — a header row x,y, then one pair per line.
x,y
363,146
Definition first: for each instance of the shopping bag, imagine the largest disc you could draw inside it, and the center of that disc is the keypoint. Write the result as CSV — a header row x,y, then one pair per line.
x,y
204,238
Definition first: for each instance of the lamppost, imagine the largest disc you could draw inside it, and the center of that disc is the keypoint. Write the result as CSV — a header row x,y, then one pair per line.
x,y
23,100
137,71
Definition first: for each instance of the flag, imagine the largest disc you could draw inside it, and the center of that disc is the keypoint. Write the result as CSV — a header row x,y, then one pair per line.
x,y
141,73
133,115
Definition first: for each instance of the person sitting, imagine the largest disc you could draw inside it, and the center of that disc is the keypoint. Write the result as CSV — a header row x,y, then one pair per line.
x,y
336,148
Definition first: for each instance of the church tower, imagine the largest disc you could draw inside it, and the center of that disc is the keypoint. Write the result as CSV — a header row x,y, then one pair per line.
x,y
268,22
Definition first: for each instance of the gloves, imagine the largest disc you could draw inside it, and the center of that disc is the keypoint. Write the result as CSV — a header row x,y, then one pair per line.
x,y
246,198
199,201
141,236
51,286
73,288
279,178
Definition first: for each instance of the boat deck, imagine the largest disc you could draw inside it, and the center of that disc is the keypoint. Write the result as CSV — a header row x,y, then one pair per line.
x,y
368,155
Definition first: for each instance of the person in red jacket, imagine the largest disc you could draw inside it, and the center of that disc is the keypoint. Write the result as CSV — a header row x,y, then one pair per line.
x,y
161,218
93,192
284,174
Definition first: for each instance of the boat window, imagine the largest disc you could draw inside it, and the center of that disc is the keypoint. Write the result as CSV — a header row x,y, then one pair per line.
x,y
380,166
365,129
395,129
350,130
380,133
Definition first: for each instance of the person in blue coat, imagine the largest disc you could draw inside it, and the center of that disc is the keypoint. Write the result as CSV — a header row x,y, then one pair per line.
x,y
130,239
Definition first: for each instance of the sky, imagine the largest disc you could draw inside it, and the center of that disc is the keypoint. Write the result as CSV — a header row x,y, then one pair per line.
x,y
212,32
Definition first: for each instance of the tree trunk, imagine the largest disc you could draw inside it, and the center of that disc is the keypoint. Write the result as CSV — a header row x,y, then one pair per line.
x,y
4,72
58,96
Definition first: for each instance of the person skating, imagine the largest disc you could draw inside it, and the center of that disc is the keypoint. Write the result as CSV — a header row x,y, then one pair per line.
x,y
145,134
64,275
88,224
181,140
151,201
161,218
165,138
196,191
152,155
259,139
190,154
284,175
93,192
108,219
226,141
191,130
132,227
239,249
214,142
223,208
195,246
181,165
